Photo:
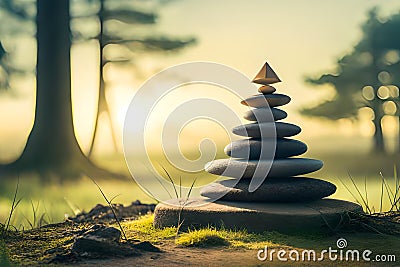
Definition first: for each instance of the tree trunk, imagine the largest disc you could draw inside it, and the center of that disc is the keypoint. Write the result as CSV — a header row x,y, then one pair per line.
x,y
376,105
52,148
102,105
398,134
52,139
379,143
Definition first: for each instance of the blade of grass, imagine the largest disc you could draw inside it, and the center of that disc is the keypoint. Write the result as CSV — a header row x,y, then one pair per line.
x,y
365,189
159,181
180,186
111,200
29,222
180,223
14,205
190,189
50,219
112,209
388,191
34,212
172,181
148,191
395,177
351,193
359,193
42,220
74,208
396,197
381,200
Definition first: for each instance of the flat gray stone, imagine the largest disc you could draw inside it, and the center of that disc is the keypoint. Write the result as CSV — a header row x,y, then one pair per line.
x,y
312,217
262,115
267,129
279,167
252,148
260,101
291,189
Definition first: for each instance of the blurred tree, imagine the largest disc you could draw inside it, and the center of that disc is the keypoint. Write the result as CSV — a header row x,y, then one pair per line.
x,y
8,69
115,35
19,22
2,51
52,148
369,76
4,72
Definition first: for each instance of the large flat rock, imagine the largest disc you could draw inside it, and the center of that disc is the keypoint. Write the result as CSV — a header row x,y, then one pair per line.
x,y
241,168
257,149
311,217
291,189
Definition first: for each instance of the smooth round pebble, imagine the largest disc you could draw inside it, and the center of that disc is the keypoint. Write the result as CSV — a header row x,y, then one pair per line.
x,y
242,168
263,115
262,101
266,89
267,130
252,148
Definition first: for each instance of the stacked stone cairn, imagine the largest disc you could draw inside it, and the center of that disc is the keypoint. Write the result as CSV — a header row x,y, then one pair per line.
x,y
279,184
280,200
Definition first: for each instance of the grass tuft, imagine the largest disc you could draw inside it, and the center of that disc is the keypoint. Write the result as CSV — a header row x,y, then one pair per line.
x,y
384,221
14,205
393,195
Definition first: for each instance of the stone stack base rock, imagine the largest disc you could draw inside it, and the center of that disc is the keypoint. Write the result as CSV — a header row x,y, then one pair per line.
x,y
321,216
284,202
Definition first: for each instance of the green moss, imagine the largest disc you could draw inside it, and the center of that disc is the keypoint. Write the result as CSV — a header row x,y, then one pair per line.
x,y
38,246
4,258
240,238
208,237
143,229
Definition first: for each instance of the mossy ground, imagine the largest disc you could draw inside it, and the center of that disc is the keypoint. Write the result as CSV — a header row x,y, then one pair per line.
x,y
143,229
36,247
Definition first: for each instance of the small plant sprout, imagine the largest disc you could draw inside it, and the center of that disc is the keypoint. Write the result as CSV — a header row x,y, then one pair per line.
x,y
179,196
14,205
109,202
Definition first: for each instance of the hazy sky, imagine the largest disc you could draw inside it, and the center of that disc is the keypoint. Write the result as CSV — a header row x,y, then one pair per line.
x,y
297,38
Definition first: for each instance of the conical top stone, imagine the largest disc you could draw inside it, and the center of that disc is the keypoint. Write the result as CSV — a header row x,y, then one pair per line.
x,y
266,76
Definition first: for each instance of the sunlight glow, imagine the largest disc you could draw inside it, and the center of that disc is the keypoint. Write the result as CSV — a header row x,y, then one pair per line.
x,y
293,53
